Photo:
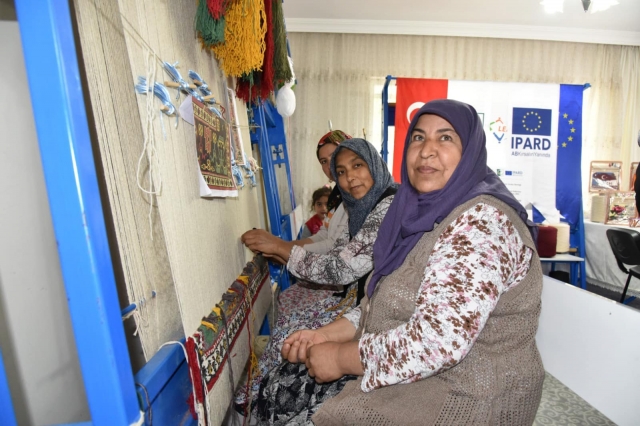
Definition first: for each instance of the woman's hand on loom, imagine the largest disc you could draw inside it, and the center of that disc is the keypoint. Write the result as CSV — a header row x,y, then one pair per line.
x,y
296,346
260,241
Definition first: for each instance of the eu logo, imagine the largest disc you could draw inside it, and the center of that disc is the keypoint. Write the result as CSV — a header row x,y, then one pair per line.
x,y
531,121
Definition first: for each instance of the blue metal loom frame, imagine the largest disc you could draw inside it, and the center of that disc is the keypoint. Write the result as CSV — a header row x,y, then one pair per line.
x,y
76,210
7,416
269,135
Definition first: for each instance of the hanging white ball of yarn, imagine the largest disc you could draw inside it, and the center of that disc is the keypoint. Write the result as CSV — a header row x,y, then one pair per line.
x,y
286,100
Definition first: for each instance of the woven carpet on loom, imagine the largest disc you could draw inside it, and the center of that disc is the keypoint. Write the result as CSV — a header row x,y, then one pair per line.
x,y
226,334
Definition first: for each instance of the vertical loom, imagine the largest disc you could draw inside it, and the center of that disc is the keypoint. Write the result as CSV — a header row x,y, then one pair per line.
x,y
115,396
268,134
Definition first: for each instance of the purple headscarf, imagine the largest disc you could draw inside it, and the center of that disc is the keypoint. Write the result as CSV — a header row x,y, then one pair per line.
x,y
411,214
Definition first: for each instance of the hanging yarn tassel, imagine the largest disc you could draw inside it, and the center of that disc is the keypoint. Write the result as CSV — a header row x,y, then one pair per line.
x,y
237,175
257,86
282,71
199,81
177,78
198,388
244,88
160,92
250,167
209,29
216,8
268,73
204,89
245,28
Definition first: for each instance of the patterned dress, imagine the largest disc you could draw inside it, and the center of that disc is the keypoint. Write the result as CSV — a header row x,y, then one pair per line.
x,y
345,263
476,259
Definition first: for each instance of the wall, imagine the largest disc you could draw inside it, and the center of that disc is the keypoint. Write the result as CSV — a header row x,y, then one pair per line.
x,y
35,330
184,248
337,74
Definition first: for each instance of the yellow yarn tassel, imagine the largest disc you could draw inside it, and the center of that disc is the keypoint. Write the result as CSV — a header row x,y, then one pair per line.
x,y
244,32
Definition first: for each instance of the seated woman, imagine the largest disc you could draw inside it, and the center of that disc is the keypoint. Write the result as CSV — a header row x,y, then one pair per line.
x,y
367,190
334,228
446,334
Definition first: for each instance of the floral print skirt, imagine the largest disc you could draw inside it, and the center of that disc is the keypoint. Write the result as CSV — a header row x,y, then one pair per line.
x,y
314,316
289,396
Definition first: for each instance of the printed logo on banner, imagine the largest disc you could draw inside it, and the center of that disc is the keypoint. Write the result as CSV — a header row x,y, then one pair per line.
x,y
498,129
532,122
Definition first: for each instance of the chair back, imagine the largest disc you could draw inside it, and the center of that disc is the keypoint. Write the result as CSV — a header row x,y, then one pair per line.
x,y
625,244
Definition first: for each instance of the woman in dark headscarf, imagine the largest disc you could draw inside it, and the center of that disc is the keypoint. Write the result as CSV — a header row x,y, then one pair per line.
x,y
366,188
446,331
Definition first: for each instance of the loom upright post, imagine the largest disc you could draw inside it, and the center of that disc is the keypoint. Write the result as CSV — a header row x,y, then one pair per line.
x,y
7,415
76,209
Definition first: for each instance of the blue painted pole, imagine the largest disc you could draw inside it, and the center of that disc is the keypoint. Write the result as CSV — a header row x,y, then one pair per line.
x,y
76,209
7,415
384,152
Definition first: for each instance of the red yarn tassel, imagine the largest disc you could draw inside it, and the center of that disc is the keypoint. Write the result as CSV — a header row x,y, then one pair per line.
x,y
216,8
266,82
196,374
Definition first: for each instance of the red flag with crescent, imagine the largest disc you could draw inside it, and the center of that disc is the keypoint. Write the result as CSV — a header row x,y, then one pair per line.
x,y
411,94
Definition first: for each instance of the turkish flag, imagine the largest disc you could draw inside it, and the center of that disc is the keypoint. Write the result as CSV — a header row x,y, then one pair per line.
x,y
411,94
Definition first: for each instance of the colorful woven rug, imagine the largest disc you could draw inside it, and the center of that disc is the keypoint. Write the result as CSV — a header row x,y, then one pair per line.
x,y
209,347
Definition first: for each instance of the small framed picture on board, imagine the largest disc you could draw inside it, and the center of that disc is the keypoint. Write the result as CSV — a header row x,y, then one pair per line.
x,y
632,175
621,208
604,176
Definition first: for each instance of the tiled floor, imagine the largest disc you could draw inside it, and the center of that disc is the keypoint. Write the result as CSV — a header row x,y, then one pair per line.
x,y
560,406
613,295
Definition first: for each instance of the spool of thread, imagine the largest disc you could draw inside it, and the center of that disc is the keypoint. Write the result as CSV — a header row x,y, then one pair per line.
x,y
598,208
562,245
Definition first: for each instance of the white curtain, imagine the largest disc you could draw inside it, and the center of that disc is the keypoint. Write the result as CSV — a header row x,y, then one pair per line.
x,y
337,75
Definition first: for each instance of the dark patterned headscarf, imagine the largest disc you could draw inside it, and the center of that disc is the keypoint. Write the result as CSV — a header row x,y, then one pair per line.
x,y
359,209
412,214
335,137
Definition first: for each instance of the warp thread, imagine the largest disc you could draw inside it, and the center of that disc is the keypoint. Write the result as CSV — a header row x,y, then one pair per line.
x,y
136,289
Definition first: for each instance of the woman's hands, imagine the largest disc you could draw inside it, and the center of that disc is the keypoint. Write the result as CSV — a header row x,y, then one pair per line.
x,y
326,362
327,352
296,346
259,240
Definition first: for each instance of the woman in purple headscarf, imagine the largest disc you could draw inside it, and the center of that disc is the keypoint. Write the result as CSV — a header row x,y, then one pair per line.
x,y
446,332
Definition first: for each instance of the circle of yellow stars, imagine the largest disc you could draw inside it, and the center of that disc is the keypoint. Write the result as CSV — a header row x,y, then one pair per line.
x,y
524,121
572,130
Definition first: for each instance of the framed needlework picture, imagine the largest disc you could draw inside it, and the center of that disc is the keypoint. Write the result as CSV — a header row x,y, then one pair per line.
x,y
604,176
632,175
621,208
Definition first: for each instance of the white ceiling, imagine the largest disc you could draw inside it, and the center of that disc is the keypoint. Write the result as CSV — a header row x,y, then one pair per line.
x,y
524,19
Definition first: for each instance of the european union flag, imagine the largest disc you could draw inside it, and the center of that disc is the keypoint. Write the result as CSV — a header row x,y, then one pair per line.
x,y
568,174
531,121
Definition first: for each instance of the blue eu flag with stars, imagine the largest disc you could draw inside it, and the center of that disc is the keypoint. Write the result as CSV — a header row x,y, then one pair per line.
x,y
531,121
568,171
